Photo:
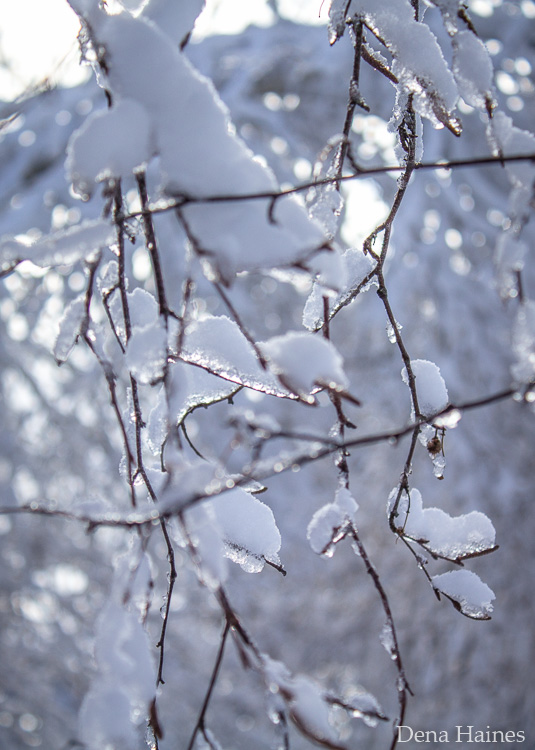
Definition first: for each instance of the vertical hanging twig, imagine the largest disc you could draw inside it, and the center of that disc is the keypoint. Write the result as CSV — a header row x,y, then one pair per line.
x,y
151,244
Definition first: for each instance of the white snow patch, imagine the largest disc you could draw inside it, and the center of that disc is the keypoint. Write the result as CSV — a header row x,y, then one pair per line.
x,y
110,144
430,386
303,361
216,344
248,529
329,521
473,597
472,69
454,538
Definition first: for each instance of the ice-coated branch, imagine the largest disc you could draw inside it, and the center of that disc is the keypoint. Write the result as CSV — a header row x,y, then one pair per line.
x,y
359,172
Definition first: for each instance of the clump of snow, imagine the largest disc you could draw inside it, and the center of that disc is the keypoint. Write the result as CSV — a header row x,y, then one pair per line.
x,y
324,201
454,538
104,719
467,592
303,361
450,13
386,637
178,97
430,386
223,232
248,529
326,207
329,522
310,711
364,705
108,277
162,82
472,69
110,144
329,270
234,523
216,344
337,20
190,480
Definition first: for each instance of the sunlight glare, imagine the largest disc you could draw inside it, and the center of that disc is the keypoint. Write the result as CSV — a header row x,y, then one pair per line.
x,y
38,40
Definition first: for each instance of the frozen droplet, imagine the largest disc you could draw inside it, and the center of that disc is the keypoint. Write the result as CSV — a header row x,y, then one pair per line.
x,y
439,464
387,640
449,420
390,332
163,608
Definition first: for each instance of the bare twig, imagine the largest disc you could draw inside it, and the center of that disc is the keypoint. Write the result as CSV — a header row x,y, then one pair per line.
x,y
172,204
199,726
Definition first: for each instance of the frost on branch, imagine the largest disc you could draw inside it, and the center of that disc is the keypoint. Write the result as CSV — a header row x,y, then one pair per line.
x,y
418,62
453,538
329,524
467,592
216,344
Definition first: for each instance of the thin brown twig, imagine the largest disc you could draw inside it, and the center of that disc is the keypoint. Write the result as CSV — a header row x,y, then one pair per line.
x,y
152,245
278,466
199,726
403,687
181,201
